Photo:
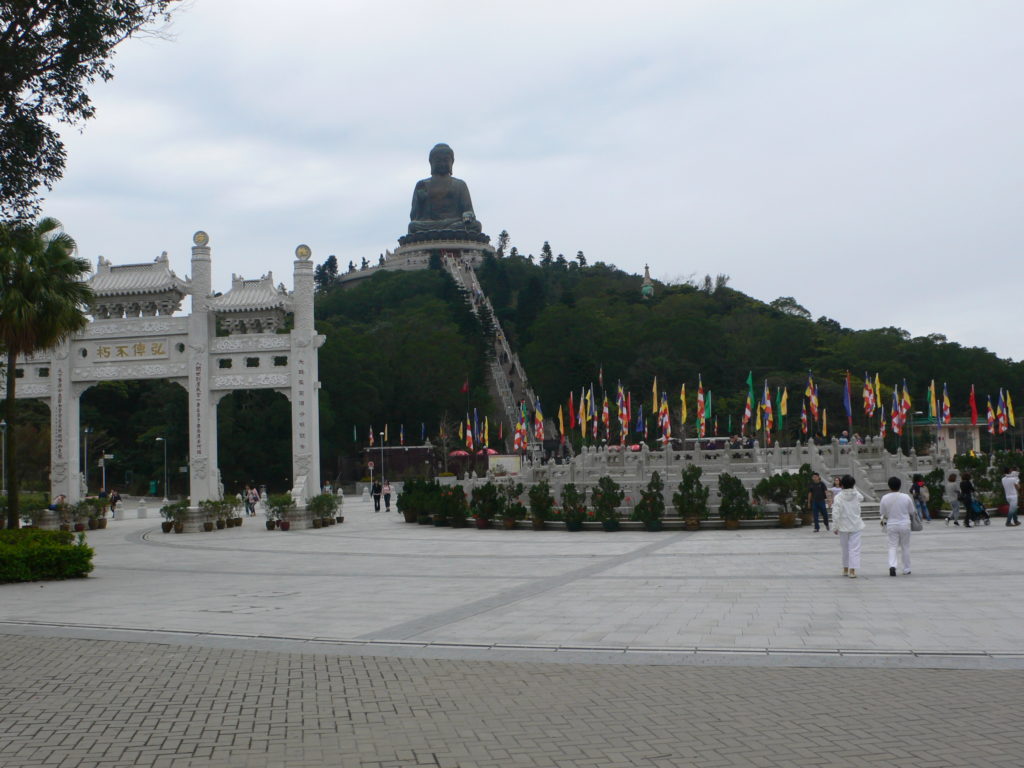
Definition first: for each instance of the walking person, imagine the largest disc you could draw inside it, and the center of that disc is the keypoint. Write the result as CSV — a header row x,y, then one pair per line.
x,y
816,495
375,490
253,496
1011,488
919,494
386,490
896,509
115,499
973,511
952,495
847,523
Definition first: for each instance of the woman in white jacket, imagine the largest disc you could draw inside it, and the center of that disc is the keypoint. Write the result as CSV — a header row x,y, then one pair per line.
x,y
847,524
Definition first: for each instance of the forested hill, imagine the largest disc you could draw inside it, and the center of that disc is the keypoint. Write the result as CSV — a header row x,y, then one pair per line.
x,y
399,345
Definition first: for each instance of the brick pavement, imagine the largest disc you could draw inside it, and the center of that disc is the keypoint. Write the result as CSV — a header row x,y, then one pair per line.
x,y
85,703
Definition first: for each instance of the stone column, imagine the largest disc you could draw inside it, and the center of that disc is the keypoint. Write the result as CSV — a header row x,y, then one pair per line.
x,y
202,421
65,453
304,384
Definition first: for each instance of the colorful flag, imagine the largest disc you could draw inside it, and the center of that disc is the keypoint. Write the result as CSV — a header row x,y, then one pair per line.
x,y
766,403
1001,420
629,409
847,404
897,424
401,434
974,408
606,418
469,434
371,435
600,376
700,404
946,411
881,421
803,417
641,428
905,404
664,420
747,413
990,416
869,396
538,422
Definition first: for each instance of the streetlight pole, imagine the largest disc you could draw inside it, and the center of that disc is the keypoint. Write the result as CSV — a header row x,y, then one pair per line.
x,y
164,441
382,457
85,459
3,428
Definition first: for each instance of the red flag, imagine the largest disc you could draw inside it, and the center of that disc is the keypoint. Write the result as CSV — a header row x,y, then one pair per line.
x,y
974,408
572,413
465,386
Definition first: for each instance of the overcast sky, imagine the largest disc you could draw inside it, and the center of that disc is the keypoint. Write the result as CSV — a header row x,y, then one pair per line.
x,y
863,157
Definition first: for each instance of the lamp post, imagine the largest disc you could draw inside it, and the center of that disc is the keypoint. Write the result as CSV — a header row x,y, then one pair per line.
x,y
85,458
3,428
382,457
164,441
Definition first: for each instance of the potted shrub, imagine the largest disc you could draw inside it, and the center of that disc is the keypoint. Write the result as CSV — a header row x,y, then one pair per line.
x,y
513,510
281,505
485,503
605,499
651,507
272,519
735,501
778,489
323,507
166,512
691,498
411,498
574,507
453,499
801,481
541,504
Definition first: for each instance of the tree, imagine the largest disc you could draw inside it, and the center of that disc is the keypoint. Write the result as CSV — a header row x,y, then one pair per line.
x,y
546,257
581,258
51,51
326,275
42,303
502,244
790,306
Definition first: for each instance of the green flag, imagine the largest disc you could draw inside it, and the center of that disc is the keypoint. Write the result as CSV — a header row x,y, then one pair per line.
x,y
778,407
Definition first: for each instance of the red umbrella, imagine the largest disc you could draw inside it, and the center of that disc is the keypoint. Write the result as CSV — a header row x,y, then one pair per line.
x,y
488,451
459,453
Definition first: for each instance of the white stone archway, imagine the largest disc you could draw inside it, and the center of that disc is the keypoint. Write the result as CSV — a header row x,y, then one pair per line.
x,y
134,334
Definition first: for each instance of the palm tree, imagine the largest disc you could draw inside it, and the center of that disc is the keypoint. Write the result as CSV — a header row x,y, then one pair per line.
x,y
42,302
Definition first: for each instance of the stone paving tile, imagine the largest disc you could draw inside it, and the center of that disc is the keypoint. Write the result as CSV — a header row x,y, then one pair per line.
x,y
66,701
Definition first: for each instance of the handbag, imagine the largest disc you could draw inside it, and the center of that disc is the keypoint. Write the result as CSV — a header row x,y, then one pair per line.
x,y
915,521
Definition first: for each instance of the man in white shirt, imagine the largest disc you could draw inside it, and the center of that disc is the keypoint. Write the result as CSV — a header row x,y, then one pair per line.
x,y
895,509
1011,487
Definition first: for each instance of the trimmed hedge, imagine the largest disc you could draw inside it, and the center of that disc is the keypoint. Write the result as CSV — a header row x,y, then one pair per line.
x,y
32,555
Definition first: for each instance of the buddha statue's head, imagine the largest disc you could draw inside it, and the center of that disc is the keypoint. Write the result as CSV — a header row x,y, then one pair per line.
x,y
441,160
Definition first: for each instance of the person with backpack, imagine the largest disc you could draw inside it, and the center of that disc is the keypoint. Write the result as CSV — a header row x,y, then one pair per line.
x,y
973,511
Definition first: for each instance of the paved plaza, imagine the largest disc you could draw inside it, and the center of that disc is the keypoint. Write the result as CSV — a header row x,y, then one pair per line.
x,y
376,643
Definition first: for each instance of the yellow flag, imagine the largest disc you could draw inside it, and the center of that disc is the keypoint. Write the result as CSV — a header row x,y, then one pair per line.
x,y
561,421
878,392
654,391
784,402
487,434
385,433
1009,409
461,434
682,400
757,424
824,422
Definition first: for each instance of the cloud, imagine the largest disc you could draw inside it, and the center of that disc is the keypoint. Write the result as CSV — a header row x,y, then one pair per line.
x,y
861,157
